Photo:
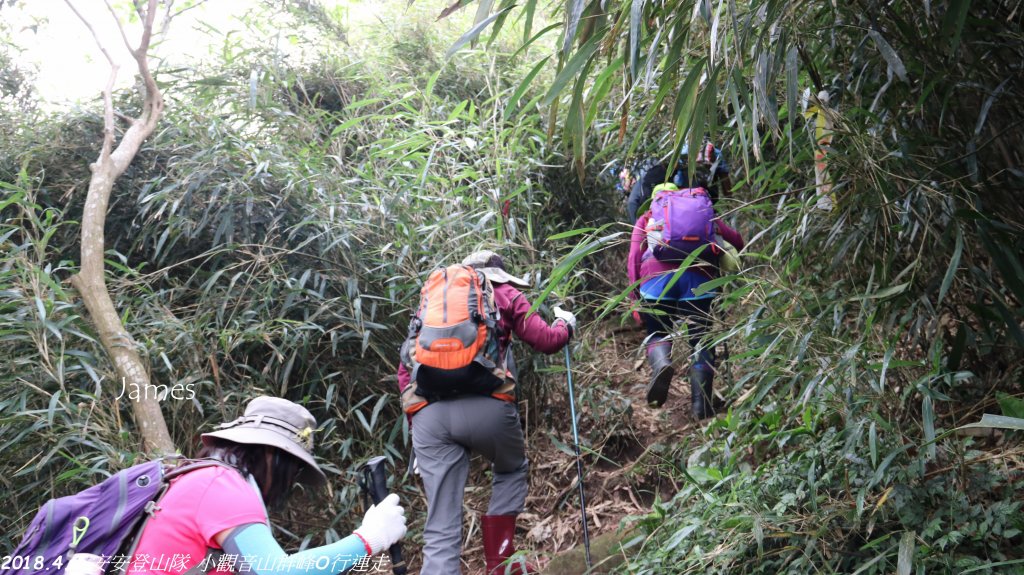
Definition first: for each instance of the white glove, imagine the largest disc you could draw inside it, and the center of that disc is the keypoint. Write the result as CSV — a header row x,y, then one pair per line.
x,y
567,317
383,525
415,465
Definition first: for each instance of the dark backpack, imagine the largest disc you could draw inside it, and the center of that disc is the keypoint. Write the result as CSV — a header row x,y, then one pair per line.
x,y
105,519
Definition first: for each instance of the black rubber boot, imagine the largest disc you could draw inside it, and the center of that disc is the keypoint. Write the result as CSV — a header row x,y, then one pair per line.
x,y
701,384
659,356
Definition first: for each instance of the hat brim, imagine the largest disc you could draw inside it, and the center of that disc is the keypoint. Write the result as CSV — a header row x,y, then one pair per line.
x,y
310,475
498,275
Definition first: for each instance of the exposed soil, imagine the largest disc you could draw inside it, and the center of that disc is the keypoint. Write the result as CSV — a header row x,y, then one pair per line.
x,y
620,468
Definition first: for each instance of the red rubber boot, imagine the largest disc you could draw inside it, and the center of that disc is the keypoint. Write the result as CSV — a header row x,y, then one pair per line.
x,y
499,531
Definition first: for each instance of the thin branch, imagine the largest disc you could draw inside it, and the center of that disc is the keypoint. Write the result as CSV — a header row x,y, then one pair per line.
x,y
168,16
185,9
92,31
142,58
108,115
108,98
124,117
147,31
120,26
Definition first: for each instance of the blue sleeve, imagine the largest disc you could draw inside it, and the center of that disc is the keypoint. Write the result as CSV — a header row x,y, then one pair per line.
x,y
254,545
723,166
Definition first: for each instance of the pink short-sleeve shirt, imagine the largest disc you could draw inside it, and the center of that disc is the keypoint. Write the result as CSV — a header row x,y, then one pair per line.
x,y
196,507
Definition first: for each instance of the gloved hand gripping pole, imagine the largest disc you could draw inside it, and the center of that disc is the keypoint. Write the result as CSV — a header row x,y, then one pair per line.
x,y
374,483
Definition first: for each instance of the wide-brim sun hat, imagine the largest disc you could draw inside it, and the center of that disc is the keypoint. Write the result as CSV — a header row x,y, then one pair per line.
x,y
278,423
493,267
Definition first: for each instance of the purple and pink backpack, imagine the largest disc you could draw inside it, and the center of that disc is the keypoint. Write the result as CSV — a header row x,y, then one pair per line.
x,y
681,222
105,519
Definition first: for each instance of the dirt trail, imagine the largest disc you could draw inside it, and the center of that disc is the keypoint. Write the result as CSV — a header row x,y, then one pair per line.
x,y
621,472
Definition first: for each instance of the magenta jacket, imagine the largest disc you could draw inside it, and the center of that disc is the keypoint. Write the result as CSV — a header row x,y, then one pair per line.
x,y
643,266
531,329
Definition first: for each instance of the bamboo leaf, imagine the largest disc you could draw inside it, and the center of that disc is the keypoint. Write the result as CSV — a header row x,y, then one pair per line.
x,y
458,4
483,10
529,10
683,115
513,102
713,284
792,75
575,64
570,233
905,557
928,423
350,123
890,55
883,293
473,33
636,12
953,23
500,22
602,85
954,263
573,13
536,36
570,262
989,420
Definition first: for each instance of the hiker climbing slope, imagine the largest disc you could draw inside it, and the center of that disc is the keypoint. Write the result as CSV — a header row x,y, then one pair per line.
x,y
173,516
679,222
651,173
457,378
266,452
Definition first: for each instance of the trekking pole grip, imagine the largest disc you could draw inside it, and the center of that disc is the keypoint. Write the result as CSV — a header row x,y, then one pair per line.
x,y
375,484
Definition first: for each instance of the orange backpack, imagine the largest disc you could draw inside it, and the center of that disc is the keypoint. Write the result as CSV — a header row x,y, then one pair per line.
x,y
453,338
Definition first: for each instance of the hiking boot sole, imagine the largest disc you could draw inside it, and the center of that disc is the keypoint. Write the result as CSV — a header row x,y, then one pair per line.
x,y
657,390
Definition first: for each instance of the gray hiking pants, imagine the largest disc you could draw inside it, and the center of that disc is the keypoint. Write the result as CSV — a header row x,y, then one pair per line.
x,y
443,434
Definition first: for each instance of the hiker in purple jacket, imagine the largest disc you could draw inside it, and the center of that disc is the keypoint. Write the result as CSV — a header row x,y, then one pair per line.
x,y
668,303
446,430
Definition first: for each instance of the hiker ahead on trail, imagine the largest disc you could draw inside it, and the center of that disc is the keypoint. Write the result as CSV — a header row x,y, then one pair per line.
x,y
641,179
457,380
681,221
223,507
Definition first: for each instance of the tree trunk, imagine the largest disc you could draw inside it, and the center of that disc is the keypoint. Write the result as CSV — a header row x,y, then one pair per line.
x,y
90,281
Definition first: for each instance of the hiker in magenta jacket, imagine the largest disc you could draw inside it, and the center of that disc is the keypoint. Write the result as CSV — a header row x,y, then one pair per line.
x,y
446,430
675,302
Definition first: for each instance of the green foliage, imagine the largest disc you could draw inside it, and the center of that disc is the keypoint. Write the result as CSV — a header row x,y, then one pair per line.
x,y
862,332
270,238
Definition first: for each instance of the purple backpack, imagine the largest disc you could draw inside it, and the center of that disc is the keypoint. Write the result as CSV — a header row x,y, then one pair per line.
x,y
104,519
681,221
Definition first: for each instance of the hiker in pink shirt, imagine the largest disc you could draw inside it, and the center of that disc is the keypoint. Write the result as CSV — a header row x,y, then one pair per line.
x,y
214,519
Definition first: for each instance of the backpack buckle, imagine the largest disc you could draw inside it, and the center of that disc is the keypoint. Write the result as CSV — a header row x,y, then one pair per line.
x,y
151,507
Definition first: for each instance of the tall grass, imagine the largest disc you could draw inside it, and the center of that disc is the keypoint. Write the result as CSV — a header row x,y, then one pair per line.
x,y
271,238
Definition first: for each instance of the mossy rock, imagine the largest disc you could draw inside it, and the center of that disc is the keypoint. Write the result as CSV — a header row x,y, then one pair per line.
x,y
605,553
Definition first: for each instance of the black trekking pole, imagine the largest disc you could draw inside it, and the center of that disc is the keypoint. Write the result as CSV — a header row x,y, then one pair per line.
x,y
579,459
374,484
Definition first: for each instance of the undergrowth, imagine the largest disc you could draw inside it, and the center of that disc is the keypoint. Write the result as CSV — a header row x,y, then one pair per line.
x,y
271,237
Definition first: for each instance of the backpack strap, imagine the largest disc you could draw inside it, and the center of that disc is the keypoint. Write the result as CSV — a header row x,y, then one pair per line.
x,y
208,564
154,505
195,465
